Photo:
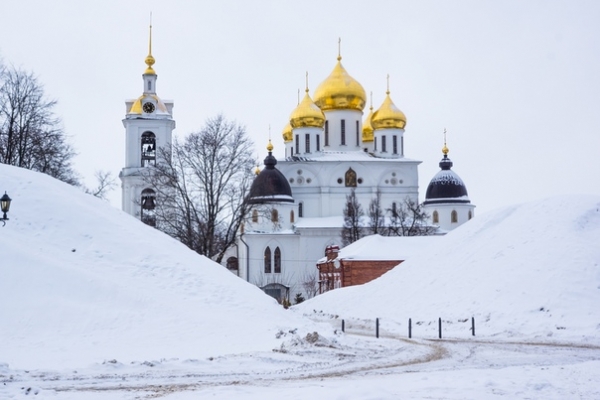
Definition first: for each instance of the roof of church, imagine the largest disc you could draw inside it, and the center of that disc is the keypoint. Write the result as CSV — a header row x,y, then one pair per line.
x,y
325,155
446,186
270,186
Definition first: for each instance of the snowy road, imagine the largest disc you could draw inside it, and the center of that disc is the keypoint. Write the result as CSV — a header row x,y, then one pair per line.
x,y
355,367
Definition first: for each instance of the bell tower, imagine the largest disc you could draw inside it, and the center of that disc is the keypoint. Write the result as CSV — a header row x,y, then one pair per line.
x,y
149,128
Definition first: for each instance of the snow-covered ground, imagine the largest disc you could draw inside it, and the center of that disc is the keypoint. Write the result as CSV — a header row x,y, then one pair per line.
x,y
95,305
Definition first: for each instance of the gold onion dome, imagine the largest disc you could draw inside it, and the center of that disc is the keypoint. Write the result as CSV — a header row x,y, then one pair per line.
x,y
307,114
340,91
287,133
388,116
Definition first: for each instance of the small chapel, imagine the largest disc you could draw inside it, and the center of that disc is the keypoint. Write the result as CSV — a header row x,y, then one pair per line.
x,y
331,149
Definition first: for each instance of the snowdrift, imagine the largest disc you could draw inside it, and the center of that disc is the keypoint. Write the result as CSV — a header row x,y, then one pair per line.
x,y
530,270
82,282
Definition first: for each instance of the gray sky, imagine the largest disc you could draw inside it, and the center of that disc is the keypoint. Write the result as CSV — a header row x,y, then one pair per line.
x,y
515,83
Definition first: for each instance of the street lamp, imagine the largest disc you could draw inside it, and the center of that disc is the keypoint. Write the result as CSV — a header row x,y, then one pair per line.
x,y
5,206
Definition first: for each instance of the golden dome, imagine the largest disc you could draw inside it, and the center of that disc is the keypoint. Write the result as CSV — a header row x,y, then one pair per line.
x,y
270,146
340,91
307,114
388,116
367,131
287,133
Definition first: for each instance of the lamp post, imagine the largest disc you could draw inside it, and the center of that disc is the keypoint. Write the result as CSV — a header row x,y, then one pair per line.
x,y
5,206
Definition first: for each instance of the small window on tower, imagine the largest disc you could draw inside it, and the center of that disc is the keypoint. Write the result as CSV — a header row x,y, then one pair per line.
x,y
300,210
470,214
292,216
274,215
326,133
297,144
383,149
318,142
436,217
255,215
454,217
357,135
307,142
343,127
148,149
395,144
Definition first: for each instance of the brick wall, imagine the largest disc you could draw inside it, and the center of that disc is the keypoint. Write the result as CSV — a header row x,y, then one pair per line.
x,y
359,272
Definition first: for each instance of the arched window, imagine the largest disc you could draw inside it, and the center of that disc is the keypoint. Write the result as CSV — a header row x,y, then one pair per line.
x,y
268,260
277,260
470,214
148,202
300,210
292,216
394,209
232,264
274,215
350,178
454,217
436,217
255,215
148,149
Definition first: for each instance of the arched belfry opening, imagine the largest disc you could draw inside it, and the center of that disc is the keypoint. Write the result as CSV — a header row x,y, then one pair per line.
x,y
148,202
148,149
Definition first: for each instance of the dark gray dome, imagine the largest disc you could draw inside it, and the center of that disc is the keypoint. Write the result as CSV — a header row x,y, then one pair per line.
x,y
446,186
270,186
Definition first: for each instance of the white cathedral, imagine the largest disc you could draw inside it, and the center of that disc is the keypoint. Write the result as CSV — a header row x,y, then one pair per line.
x,y
298,202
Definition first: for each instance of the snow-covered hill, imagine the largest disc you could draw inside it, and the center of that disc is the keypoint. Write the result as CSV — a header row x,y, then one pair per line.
x,y
82,282
531,270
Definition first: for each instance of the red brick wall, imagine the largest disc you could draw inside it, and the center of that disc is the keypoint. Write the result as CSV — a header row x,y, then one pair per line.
x,y
359,272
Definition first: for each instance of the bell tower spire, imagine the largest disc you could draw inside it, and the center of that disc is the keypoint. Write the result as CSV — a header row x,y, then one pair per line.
x,y
149,75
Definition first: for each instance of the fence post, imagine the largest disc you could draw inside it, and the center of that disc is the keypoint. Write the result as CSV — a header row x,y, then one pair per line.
x,y
409,328
343,326
473,325
440,327
377,328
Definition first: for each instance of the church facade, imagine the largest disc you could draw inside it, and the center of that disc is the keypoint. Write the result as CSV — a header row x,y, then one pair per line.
x,y
331,150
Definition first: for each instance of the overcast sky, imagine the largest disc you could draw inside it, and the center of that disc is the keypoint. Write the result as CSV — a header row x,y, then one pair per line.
x,y
516,84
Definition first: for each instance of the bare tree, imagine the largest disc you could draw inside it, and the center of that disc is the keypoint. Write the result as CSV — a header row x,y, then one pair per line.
x,y
310,283
201,186
376,215
408,219
106,183
352,230
30,134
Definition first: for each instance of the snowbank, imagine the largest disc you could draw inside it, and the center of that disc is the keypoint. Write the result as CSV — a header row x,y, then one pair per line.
x,y
530,270
82,282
